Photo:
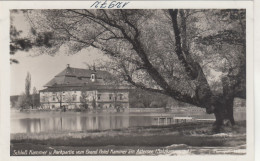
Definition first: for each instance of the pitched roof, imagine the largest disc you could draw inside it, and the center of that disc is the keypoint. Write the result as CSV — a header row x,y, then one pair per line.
x,y
79,72
78,77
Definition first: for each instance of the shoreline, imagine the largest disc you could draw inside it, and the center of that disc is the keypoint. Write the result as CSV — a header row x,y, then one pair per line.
x,y
189,135
158,109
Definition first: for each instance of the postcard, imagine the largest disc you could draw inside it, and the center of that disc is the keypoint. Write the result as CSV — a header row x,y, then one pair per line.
x,y
127,80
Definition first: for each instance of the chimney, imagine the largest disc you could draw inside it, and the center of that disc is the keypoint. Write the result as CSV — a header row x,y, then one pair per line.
x,y
68,65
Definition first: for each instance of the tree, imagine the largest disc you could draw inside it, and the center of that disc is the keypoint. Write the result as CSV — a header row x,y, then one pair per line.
x,y
28,84
162,51
115,84
146,99
69,99
28,89
21,102
234,69
83,99
20,42
94,102
60,98
34,97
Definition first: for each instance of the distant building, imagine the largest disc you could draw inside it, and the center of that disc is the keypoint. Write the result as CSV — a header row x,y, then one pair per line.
x,y
83,88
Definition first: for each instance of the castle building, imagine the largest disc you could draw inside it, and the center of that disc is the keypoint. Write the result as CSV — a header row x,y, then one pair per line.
x,y
83,88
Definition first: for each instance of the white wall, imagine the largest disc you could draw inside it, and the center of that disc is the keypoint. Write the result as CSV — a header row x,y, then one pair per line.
x,y
46,98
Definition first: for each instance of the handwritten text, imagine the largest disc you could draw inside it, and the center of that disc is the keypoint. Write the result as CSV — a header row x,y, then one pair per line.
x,y
105,4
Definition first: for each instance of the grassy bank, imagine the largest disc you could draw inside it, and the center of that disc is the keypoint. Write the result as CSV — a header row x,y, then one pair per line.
x,y
189,134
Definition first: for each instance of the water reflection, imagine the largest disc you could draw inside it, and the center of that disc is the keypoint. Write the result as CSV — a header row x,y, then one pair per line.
x,y
79,123
51,122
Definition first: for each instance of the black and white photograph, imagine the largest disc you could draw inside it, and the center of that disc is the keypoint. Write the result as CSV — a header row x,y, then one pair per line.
x,y
114,81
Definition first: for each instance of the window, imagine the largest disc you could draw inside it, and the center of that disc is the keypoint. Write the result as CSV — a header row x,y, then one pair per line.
x,y
121,96
53,98
99,96
74,97
43,98
110,96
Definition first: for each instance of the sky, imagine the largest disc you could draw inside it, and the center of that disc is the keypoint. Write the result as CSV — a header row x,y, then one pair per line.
x,y
44,67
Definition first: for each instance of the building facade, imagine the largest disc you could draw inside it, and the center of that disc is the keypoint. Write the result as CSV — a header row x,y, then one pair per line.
x,y
83,88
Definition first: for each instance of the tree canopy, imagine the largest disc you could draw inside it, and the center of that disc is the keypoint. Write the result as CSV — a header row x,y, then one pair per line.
x,y
193,56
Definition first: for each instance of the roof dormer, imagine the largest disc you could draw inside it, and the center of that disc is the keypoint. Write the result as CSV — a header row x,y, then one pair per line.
x,y
93,77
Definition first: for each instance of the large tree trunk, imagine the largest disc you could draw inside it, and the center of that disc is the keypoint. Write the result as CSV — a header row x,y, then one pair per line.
x,y
223,113
229,107
219,119
220,105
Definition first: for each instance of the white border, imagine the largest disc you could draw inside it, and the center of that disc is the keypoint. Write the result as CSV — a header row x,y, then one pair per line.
x,y
257,76
5,74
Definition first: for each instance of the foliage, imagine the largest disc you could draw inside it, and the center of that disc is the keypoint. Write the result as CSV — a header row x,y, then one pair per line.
x,y
20,42
59,97
145,99
26,99
68,98
83,99
21,102
94,103
28,84
35,98
17,43
193,56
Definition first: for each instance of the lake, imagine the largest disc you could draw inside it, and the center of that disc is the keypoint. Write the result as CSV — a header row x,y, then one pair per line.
x,y
53,121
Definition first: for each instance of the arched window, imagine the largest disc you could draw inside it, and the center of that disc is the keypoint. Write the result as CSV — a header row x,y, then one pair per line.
x,y
92,77
99,96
